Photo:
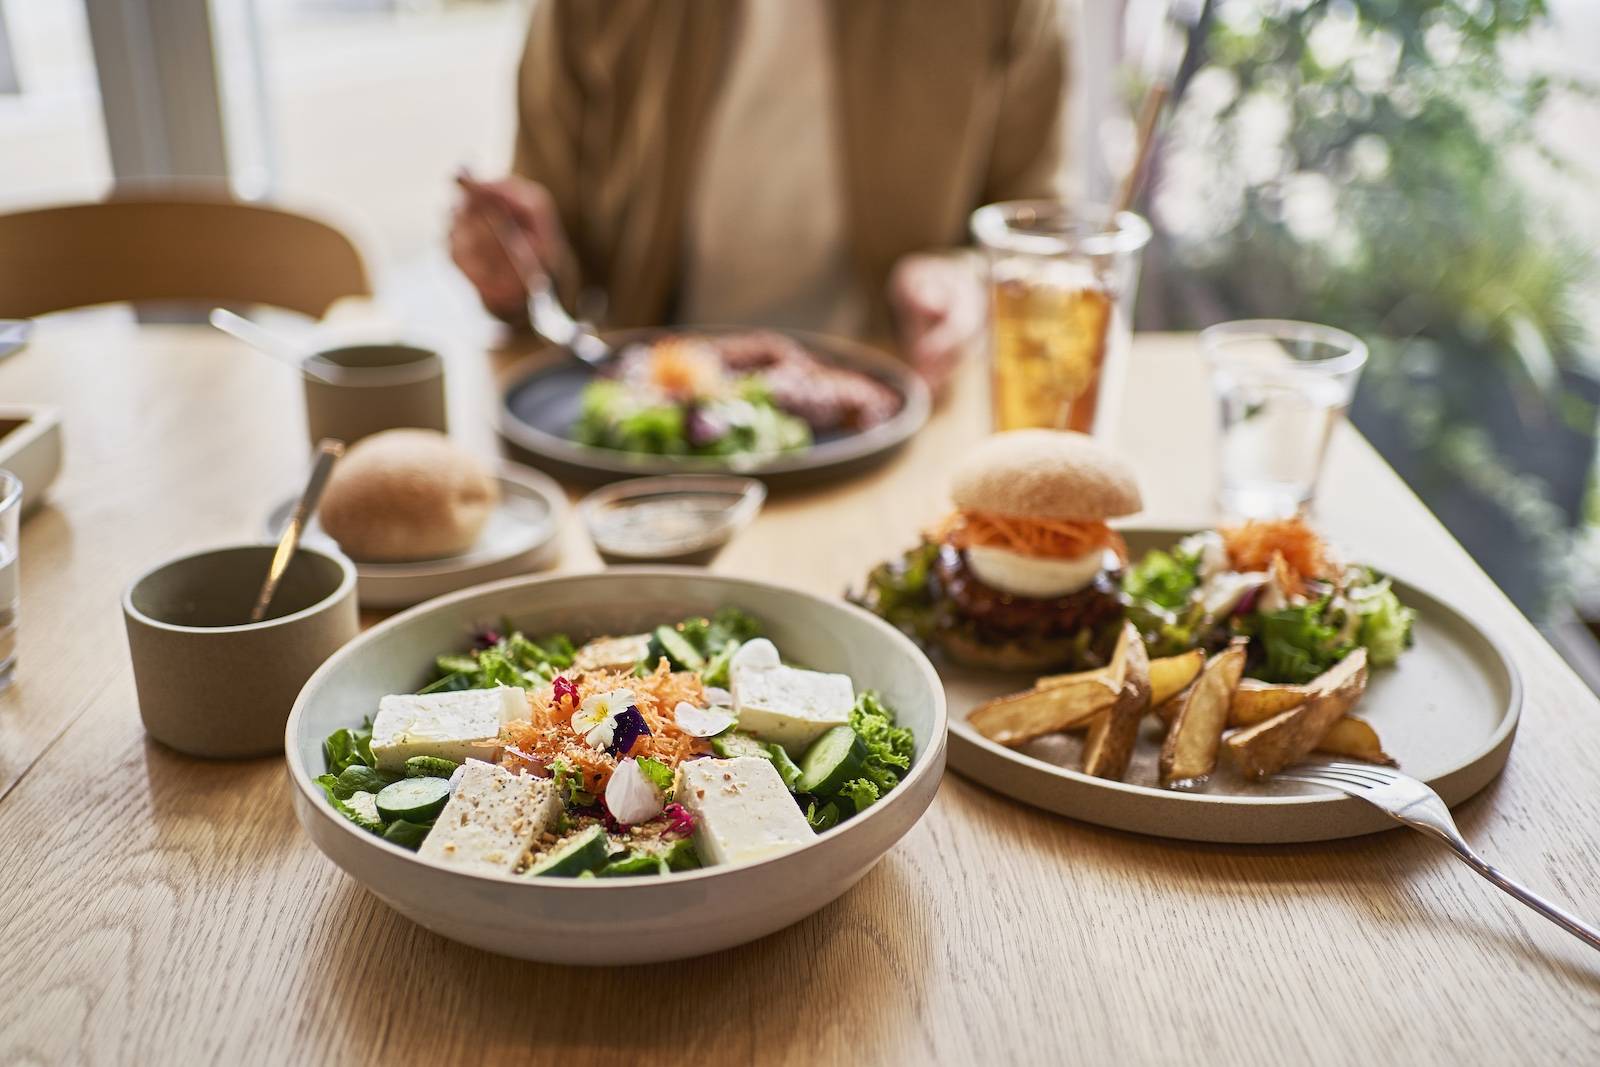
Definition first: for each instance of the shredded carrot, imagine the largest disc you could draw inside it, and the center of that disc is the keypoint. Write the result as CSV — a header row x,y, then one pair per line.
x,y
684,368
1027,536
548,735
1287,548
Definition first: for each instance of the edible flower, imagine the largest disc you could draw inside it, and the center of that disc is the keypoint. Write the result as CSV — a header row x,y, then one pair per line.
x,y
631,797
564,691
596,718
630,726
682,819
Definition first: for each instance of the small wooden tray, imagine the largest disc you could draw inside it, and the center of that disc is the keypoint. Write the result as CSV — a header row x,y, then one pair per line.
x,y
30,448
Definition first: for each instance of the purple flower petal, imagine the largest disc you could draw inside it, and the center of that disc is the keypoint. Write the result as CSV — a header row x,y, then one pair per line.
x,y
630,727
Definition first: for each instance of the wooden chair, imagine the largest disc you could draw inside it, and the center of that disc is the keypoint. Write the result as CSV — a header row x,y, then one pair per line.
x,y
180,246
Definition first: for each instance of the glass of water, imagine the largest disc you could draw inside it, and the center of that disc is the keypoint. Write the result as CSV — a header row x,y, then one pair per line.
x,y
1281,387
10,514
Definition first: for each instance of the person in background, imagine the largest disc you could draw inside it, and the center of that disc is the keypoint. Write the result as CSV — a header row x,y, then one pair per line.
x,y
793,163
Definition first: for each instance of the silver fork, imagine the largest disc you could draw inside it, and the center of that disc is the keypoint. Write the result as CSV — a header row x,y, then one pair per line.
x,y
1411,802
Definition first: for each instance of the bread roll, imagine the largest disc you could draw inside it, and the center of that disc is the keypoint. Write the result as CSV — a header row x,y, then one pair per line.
x,y
404,495
1046,474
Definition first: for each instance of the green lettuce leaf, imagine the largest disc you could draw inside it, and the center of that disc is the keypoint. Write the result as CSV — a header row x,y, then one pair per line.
x,y
569,783
359,806
1164,579
901,593
860,792
1385,626
822,815
346,748
407,834
659,773
889,747
1298,642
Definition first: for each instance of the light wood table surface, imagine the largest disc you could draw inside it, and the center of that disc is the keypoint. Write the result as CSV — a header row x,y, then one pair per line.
x,y
159,909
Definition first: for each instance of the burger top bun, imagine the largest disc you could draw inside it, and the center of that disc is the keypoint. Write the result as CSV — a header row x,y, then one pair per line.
x,y
407,495
1046,474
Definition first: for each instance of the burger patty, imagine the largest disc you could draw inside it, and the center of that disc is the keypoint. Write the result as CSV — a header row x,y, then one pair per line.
x,y
1005,614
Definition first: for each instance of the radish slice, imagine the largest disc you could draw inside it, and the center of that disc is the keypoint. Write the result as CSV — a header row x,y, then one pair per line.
x,y
718,697
631,797
702,722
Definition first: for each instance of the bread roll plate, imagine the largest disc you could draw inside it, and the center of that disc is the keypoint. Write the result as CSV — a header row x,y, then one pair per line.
x,y
520,536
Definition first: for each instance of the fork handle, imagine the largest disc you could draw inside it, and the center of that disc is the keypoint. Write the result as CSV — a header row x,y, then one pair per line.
x,y
1560,916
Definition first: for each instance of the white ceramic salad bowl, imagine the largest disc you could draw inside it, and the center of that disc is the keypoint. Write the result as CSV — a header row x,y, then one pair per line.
x,y
633,920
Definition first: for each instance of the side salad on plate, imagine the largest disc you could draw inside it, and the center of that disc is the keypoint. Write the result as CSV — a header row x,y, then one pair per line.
x,y
1276,584
691,745
752,393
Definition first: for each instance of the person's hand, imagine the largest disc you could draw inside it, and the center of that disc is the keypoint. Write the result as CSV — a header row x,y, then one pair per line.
x,y
526,209
938,306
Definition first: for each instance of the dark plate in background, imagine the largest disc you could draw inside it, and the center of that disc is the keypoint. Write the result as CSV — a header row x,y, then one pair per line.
x,y
540,405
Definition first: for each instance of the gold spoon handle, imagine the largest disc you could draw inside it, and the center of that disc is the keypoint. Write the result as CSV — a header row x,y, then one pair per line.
x,y
328,451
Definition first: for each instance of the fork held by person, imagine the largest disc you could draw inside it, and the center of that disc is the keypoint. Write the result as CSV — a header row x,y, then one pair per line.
x,y
796,164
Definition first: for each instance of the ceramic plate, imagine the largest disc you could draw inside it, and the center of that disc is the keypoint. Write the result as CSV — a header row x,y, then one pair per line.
x,y
1447,712
519,537
618,920
540,406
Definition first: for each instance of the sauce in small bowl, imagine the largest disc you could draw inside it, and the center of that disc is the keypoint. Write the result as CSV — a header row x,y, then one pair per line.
x,y
681,518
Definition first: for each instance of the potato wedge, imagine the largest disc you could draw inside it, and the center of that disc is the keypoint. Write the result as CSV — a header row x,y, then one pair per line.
x,y
1354,738
1189,753
1170,675
1109,744
1257,701
1012,720
1267,747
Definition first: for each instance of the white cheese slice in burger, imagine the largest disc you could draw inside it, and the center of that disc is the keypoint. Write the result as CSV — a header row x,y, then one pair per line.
x,y
1034,576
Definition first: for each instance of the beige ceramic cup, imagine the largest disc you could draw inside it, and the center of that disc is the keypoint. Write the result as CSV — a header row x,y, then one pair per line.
x,y
211,684
358,390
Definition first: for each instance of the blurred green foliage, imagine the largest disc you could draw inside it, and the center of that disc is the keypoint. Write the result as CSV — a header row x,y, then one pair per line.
x,y
1366,163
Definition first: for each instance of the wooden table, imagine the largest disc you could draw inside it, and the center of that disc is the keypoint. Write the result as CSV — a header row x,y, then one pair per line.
x,y
162,909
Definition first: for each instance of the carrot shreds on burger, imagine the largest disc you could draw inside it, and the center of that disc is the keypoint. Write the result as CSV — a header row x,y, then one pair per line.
x,y
1028,535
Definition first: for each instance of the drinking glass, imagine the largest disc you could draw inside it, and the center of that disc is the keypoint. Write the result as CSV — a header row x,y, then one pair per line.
x,y
10,513
1062,280
1281,387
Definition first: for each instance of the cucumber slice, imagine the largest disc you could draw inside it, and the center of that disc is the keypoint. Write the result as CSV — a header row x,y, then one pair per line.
x,y
579,855
430,767
632,865
414,799
678,649
733,743
831,761
788,770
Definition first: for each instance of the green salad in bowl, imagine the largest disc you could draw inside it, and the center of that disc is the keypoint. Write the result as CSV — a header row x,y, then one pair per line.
x,y
692,744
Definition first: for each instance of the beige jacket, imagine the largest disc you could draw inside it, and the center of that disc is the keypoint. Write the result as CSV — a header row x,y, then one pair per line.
x,y
946,105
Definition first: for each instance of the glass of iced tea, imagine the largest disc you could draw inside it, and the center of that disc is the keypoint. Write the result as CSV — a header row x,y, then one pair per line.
x,y
1062,280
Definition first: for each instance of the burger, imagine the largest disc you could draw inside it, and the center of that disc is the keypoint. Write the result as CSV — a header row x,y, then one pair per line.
x,y
1025,574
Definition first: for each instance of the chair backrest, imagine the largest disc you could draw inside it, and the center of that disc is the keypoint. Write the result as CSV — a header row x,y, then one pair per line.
x,y
161,247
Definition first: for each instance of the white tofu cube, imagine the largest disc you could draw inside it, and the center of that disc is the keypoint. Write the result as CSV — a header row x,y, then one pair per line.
x,y
742,809
455,726
790,706
491,820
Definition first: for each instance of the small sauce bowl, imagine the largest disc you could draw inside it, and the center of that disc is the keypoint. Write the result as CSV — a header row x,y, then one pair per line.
x,y
682,519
